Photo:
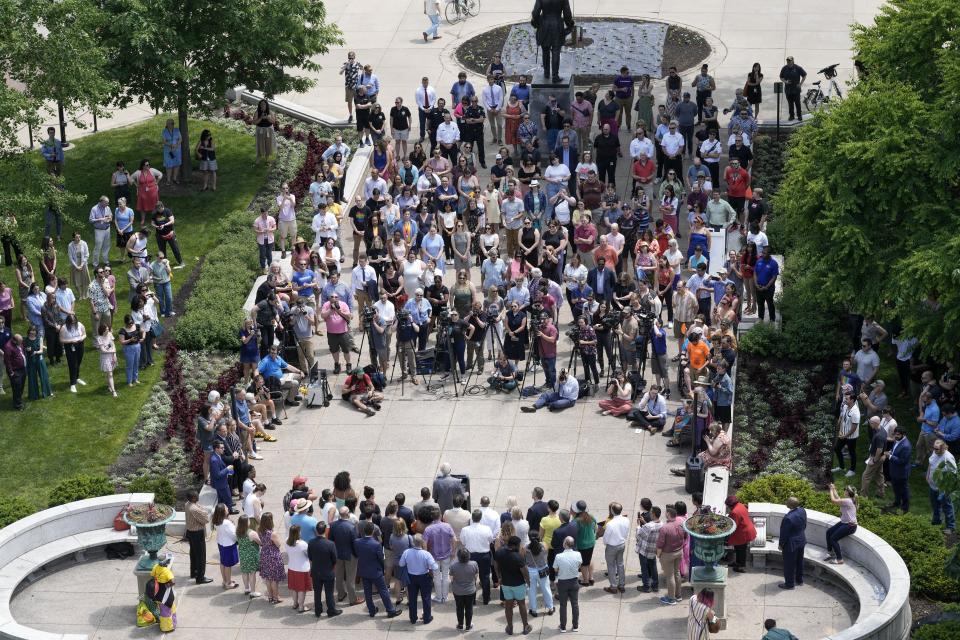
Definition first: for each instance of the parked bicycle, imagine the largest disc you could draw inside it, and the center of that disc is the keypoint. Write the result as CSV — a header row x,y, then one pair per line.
x,y
816,98
457,10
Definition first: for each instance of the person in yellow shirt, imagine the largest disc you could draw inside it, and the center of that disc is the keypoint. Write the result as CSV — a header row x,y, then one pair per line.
x,y
548,524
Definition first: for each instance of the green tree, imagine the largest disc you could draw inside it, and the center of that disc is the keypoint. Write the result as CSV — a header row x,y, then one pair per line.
x,y
50,52
184,57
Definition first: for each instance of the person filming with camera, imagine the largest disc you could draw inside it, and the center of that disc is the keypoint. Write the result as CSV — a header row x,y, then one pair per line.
x,y
420,313
585,341
565,395
336,314
382,325
547,335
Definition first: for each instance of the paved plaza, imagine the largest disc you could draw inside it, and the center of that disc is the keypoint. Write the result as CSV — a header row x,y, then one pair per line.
x,y
573,455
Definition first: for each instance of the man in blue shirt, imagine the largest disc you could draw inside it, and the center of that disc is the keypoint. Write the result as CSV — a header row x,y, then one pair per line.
x,y
52,152
563,397
928,419
420,311
334,286
651,412
948,429
461,89
767,269
522,91
302,518
272,367
303,280
722,394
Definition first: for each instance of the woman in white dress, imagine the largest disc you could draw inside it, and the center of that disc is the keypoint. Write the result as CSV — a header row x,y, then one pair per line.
x,y
412,270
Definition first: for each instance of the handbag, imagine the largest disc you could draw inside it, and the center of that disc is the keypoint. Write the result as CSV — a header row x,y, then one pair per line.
x,y
713,625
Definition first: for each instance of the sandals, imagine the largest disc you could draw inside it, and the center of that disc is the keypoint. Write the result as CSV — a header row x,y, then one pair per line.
x,y
232,585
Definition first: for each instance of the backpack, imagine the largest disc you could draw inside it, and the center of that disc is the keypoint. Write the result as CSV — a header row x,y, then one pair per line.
x,y
287,498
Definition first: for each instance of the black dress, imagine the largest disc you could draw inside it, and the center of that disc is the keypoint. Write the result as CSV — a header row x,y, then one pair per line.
x,y
516,349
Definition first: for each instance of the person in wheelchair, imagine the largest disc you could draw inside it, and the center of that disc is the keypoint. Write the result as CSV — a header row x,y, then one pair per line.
x,y
273,368
505,374
358,390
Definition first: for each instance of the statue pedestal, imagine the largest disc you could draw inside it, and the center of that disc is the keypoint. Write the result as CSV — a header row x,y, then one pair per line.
x,y
540,91
715,580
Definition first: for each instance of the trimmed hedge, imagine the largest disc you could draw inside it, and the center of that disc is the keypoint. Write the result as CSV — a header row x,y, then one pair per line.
x,y
80,487
161,488
214,311
949,630
14,508
919,543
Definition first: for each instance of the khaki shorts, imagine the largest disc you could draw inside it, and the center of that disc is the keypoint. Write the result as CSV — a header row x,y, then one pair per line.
x,y
401,134
287,229
348,93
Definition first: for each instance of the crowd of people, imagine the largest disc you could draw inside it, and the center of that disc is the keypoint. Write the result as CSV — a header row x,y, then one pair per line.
x,y
532,562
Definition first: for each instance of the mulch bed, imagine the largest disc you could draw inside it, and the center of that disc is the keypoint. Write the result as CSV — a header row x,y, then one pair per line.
x,y
683,49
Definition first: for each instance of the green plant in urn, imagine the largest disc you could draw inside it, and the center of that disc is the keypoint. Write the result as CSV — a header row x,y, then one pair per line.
x,y
150,521
710,531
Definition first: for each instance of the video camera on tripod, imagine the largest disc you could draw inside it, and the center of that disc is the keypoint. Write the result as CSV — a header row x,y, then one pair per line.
x,y
367,317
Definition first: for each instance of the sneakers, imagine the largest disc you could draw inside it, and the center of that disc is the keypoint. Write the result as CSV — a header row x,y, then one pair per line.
x,y
836,470
850,473
73,388
667,600
255,456
81,382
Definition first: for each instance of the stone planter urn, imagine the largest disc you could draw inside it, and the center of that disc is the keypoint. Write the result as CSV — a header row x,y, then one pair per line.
x,y
710,532
150,521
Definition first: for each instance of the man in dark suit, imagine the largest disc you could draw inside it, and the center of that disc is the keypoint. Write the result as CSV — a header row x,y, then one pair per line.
x,y
602,280
370,569
899,456
220,473
568,153
343,533
323,563
793,539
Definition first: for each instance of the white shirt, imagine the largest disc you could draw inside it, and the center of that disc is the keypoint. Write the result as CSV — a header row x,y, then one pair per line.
x,y
324,225
431,7
370,184
476,537
558,174
642,145
732,140
431,96
359,275
386,310
227,534
672,143
711,146
490,518
492,96
616,531
935,462
425,183
297,559
448,132
288,207
249,508
759,239
248,487
849,421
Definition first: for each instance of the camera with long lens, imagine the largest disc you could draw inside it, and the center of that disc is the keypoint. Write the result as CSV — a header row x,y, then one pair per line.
x,y
646,320
573,334
403,318
443,316
610,321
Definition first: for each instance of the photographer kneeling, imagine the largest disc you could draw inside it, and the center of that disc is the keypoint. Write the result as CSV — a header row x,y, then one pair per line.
x,y
358,391
504,376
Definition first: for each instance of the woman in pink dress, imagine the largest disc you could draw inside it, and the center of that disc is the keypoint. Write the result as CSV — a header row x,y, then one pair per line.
x,y
147,179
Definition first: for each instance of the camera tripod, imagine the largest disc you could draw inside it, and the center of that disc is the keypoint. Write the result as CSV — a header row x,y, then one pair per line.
x,y
533,362
444,340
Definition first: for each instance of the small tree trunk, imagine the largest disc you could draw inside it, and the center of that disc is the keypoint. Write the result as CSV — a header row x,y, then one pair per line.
x,y
186,153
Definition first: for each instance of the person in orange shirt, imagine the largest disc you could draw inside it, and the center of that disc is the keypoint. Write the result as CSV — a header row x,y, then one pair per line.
x,y
604,250
698,355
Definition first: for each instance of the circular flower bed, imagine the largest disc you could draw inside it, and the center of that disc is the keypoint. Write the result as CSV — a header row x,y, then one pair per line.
x,y
607,44
142,514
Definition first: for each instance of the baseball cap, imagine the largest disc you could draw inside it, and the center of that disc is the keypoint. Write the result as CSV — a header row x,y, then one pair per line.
x,y
298,480
498,157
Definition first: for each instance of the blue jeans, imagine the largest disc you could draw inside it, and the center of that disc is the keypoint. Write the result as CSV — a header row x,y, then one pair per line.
x,y
164,297
131,355
555,401
266,254
939,501
544,587
648,572
434,25
835,534
550,370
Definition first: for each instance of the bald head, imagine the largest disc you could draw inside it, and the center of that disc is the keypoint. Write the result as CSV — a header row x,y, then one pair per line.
x,y
792,502
344,513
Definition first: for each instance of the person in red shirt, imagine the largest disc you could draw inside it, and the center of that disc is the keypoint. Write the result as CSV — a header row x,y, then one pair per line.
x,y
738,181
643,174
358,390
743,536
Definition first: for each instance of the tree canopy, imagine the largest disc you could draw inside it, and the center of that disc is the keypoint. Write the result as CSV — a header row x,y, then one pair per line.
x,y
184,57
869,197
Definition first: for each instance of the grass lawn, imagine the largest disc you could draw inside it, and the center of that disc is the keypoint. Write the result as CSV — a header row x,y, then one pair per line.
x,y
69,434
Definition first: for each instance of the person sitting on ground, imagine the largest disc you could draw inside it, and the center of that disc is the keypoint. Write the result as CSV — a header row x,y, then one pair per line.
x,y
564,396
358,390
651,411
504,376
717,453
682,423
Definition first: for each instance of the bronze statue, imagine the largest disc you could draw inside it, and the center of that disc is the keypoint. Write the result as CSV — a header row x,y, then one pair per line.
x,y
553,20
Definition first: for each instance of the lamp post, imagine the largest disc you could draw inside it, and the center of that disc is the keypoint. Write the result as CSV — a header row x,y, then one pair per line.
x,y
778,89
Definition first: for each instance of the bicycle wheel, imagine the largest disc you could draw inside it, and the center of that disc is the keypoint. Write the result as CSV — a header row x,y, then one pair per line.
x,y
452,12
472,8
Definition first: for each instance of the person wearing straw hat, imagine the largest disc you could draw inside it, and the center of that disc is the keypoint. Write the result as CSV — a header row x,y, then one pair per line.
x,y
303,516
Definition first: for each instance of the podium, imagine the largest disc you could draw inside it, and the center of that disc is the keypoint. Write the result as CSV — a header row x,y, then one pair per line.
x,y
541,89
